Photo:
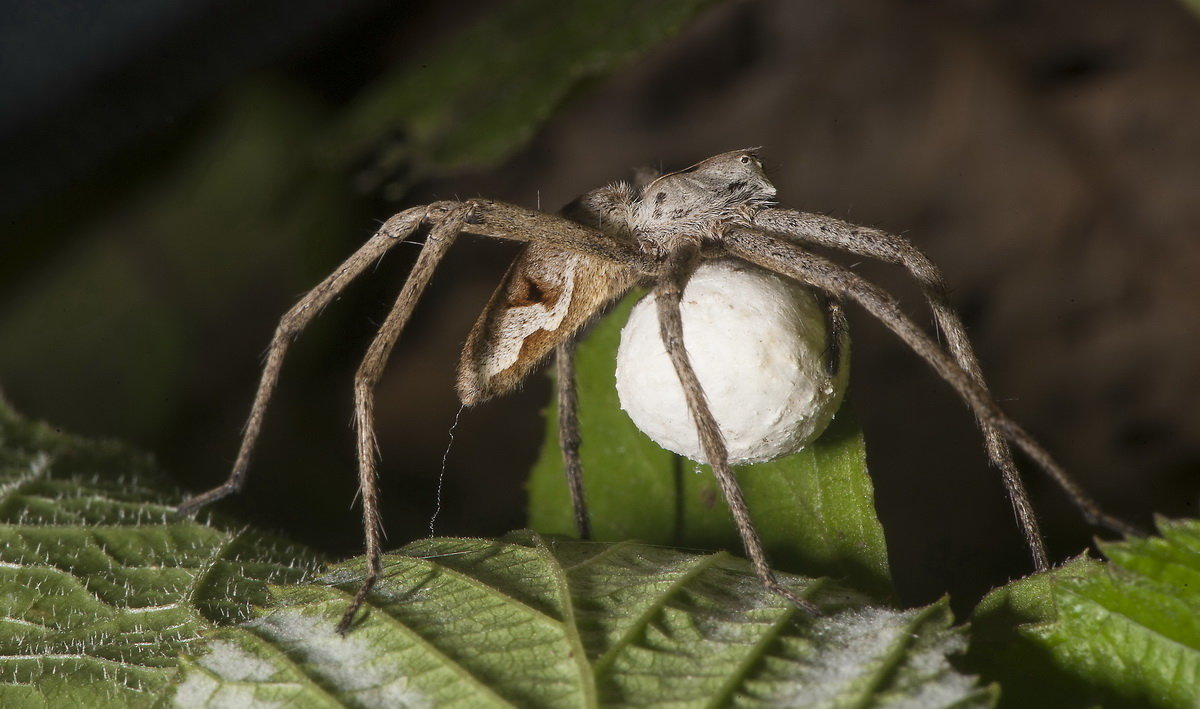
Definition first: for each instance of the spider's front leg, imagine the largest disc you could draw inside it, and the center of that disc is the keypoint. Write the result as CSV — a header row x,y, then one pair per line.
x,y
822,230
617,262
894,249
785,258
668,293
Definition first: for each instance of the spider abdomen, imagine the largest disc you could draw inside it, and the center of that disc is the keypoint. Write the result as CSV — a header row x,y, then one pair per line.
x,y
758,343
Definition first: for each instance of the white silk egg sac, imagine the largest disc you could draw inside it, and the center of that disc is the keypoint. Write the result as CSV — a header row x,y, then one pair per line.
x,y
757,342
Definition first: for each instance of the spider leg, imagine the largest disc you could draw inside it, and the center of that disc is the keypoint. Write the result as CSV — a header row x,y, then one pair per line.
x,y
394,231
822,230
668,292
835,327
894,249
826,231
507,221
440,238
568,434
786,258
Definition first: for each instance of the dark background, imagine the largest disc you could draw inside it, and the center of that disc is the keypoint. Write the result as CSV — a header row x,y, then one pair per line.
x,y
167,189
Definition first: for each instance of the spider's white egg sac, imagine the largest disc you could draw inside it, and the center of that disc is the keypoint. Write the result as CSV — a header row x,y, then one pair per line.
x,y
757,342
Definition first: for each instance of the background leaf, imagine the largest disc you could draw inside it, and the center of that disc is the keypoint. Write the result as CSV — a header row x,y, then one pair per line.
x,y
815,509
446,112
100,586
1124,633
536,622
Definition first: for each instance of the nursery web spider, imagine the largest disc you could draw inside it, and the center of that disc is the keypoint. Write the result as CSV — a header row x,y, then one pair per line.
x,y
606,242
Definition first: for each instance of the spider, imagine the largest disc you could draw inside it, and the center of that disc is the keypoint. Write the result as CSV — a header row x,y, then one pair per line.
x,y
651,233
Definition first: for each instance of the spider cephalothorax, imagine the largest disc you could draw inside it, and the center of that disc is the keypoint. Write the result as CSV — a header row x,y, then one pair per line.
x,y
654,233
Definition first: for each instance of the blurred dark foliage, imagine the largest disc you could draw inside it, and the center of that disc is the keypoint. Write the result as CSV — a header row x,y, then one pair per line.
x,y
163,203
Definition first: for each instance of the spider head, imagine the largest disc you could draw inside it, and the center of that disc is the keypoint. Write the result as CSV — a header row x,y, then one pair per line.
x,y
709,188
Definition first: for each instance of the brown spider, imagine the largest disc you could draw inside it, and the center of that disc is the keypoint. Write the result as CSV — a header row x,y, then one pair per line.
x,y
605,243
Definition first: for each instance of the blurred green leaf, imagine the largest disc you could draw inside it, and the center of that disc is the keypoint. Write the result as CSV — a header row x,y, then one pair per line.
x,y
1119,634
815,510
484,90
108,331
534,622
100,586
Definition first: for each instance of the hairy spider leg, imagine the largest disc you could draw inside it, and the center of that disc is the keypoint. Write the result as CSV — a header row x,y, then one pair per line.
x,y
788,259
668,292
889,248
568,434
293,322
370,371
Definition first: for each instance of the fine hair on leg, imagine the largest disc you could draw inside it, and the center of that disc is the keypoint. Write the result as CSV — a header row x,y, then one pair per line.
x,y
785,258
836,328
826,231
568,434
440,238
668,292
446,220
393,231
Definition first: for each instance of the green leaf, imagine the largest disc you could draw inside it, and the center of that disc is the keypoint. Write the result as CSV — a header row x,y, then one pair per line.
x,y
103,590
536,622
815,510
100,586
1123,633
446,113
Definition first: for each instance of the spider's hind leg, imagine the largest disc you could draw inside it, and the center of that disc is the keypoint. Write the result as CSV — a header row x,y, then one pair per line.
x,y
863,241
393,231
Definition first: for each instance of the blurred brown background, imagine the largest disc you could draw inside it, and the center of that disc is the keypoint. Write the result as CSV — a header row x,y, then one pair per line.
x,y
169,186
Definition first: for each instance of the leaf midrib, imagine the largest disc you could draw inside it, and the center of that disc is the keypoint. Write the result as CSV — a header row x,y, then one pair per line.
x,y
587,676
894,656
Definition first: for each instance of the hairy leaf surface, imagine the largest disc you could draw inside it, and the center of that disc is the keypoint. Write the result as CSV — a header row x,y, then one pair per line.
x,y
1122,633
101,587
543,622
